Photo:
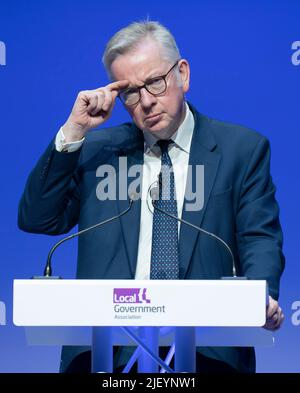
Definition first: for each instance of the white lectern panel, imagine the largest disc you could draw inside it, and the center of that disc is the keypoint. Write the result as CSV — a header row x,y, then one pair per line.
x,y
139,302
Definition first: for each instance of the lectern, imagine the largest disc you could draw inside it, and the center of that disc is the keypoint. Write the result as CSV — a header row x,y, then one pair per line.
x,y
146,313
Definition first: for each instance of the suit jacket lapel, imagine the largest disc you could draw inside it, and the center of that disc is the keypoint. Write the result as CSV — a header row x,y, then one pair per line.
x,y
201,153
133,153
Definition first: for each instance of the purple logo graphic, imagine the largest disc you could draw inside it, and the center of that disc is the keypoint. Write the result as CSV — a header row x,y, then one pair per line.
x,y
130,295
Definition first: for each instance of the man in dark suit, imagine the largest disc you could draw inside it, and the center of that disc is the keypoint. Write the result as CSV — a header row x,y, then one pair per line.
x,y
69,186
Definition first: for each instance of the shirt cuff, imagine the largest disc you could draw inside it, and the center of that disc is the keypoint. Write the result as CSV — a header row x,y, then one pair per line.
x,y
62,146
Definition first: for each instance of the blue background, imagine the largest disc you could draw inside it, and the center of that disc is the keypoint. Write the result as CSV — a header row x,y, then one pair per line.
x,y
241,71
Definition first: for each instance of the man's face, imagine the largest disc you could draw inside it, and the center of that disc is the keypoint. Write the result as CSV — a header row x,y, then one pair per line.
x,y
160,115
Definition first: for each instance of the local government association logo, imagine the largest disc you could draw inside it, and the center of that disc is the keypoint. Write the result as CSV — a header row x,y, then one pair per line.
x,y
134,303
130,295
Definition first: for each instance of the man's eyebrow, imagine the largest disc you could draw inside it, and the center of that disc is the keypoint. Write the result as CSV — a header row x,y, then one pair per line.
x,y
153,75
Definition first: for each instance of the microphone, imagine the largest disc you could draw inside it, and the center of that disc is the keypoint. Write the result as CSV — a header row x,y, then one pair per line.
x,y
48,268
154,194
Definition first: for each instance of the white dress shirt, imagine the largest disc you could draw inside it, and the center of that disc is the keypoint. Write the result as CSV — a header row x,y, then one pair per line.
x,y
179,153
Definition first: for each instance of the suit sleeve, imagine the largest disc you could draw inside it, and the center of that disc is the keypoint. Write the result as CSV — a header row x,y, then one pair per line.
x,y
50,201
259,235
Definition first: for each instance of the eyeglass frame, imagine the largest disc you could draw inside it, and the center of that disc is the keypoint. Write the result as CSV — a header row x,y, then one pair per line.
x,y
145,86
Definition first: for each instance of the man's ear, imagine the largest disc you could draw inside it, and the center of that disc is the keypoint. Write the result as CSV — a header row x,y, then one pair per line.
x,y
184,70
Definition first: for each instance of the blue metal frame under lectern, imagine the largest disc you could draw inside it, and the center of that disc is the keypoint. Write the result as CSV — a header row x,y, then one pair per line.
x,y
146,353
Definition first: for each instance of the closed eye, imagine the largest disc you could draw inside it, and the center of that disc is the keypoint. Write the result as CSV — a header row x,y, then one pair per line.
x,y
130,91
154,81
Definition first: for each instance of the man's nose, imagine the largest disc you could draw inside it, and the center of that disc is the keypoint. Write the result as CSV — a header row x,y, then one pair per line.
x,y
147,99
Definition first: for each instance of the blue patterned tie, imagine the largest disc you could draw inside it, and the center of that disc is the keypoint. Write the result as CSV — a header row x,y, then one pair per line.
x,y
165,255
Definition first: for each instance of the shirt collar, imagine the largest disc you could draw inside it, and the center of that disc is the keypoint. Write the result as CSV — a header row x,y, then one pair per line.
x,y
182,137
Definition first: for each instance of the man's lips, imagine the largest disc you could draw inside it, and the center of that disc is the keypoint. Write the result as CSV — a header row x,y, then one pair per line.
x,y
152,117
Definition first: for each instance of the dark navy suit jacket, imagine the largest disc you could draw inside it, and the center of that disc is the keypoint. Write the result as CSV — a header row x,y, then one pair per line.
x,y
239,206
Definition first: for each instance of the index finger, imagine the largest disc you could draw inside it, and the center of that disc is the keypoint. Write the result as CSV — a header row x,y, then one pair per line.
x,y
272,310
118,85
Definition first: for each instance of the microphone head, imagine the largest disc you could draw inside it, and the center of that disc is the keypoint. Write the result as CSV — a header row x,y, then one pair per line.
x,y
134,196
154,193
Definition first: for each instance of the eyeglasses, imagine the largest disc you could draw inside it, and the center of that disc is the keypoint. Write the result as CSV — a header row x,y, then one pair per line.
x,y
155,86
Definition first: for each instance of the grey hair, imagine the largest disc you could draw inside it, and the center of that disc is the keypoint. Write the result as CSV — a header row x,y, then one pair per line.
x,y
130,36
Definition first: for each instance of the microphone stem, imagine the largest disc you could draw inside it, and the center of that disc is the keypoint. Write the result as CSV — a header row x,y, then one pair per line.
x,y
48,268
204,231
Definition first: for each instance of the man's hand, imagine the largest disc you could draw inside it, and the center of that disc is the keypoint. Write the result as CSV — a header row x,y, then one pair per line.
x,y
91,108
275,315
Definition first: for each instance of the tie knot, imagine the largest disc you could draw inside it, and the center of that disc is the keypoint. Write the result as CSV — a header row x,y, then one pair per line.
x,y
164,144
